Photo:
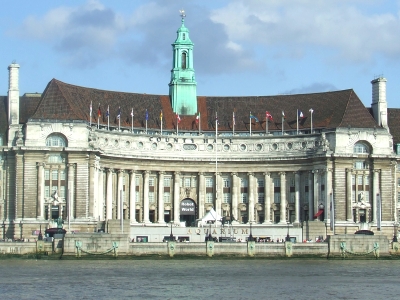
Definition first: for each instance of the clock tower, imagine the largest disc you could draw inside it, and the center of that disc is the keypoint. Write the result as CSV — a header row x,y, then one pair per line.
x,y
182,87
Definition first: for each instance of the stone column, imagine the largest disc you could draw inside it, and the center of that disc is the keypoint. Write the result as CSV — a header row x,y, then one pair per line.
x,y
177,180
119,198
91,189
146,205
235,197
71,190
161,197
283,219
349,202
310,196
297,196
316,191
218,194
328,191
100,195
202,192
40,204
109,194
132,196
375,191
251,197
267,195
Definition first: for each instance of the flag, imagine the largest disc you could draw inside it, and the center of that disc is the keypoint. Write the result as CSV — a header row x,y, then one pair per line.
x,y
233,119
300,114
198,118
161,115
268,116
146,116
99,111
283,114
311,110
253,117
178,118
119,113
91,109
108,111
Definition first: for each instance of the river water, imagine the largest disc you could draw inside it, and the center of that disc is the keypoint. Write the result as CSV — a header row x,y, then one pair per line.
x,y
199,279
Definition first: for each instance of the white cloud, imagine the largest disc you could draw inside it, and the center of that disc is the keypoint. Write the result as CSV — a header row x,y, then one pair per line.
x,y
348,27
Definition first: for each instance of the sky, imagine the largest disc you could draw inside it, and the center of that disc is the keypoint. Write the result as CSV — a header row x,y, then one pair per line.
x,y
241,47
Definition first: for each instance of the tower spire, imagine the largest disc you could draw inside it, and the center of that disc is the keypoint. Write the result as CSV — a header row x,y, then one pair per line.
x,y
182,87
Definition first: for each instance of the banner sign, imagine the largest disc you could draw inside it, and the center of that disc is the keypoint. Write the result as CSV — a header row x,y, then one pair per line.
x,y
188,207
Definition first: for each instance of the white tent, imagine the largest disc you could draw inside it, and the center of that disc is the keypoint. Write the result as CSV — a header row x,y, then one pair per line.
x,y
212,216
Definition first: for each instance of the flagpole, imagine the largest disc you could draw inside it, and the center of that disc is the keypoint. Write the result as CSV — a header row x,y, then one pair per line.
x,y
119,119
177,125
161,121
233,123
297,121
199,123
132,118
266,124
98,117
216,162
332,214
108,117
282,121
250,123
146,117
311,111
90,117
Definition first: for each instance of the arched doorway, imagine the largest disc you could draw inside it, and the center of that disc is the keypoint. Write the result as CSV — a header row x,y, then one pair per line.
x,y
188,212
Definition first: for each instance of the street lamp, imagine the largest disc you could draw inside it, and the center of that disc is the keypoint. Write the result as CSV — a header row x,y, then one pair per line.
x,y
4,231
395,233
171,236
209,238
251,234
287,235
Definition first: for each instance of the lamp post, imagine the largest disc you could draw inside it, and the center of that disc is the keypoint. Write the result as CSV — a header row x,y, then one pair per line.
x,y
4,231
395,233
251,234
171,236
305,207
40,236
209,238
287,235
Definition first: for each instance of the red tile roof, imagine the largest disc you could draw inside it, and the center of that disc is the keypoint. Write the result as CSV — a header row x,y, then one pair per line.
x,y
63,101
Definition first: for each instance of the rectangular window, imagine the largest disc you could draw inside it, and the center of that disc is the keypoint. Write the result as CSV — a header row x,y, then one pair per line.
x,y
47,191
151,197
398,197
291,181
277,182
209,197
261,198
209,182
227,198
62,192
137,198
277,198
226,182
243,198
187,181
194,182
151,181
167,181
46,174
244,183
54,175
167,197
62,174
260,182
360,180
137,180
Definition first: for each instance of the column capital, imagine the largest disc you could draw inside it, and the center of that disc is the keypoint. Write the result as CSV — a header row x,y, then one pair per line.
x,y
234,174
40,164
161,172
315,171
376,171
132,172
147,172
121,171
177,173
200,173
110,170
250,174
71,166
349,170
282,173
267,173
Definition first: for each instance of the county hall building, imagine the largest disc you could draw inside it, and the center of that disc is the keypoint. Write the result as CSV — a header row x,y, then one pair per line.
x,y
95,157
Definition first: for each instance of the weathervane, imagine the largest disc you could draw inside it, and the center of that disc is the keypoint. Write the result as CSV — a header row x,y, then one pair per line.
x,y
182,14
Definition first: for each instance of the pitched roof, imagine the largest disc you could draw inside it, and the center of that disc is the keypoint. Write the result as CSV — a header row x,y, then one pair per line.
x,y
63,101
394,124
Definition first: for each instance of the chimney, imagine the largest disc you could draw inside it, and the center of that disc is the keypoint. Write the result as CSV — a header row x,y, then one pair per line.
x,y
379,104
13,94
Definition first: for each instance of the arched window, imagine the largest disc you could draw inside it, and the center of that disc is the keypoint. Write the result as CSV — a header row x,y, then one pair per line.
x,y
56,140
183,60
360,148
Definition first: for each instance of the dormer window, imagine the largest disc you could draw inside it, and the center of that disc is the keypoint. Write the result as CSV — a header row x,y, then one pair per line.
x,y
361,148
56,140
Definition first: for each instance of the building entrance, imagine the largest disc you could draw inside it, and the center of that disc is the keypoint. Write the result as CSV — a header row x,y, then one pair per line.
x,y
188,212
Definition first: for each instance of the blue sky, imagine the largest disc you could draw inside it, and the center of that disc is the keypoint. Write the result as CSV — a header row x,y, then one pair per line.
x,y
242,47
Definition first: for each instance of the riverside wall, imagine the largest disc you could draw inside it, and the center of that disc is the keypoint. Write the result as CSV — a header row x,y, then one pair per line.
x,y
81,245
